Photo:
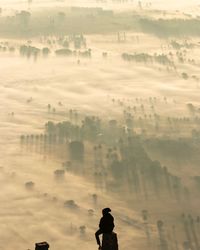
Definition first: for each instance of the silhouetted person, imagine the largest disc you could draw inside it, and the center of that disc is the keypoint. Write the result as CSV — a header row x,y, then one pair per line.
x,y
106,224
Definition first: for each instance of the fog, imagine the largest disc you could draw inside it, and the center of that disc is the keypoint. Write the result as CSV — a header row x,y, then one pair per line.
x,y
158,4
99,108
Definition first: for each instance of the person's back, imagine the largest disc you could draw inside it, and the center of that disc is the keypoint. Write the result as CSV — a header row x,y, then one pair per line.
x,y
107,223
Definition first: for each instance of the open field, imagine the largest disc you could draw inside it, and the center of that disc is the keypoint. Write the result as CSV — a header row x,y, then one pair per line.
x,y
123,86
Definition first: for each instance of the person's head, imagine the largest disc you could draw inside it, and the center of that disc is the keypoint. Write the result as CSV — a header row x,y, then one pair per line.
x,y
106,210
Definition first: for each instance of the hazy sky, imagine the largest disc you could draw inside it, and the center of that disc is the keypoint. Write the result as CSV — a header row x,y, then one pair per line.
x,y
28,216
157,3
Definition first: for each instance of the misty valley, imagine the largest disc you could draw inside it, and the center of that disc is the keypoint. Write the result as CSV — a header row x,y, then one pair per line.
x,y
99,108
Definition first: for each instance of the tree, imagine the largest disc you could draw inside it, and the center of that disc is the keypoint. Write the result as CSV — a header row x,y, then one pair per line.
x,y
45,51
24,18
185,76
61,16
76,149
